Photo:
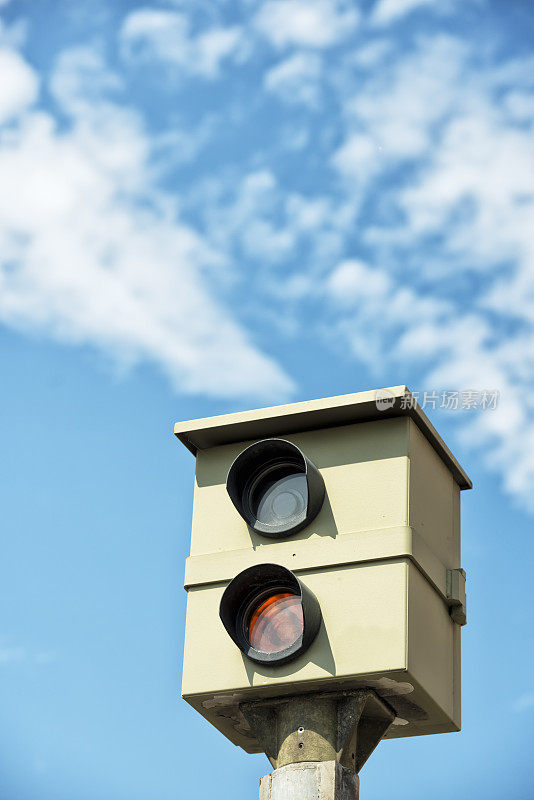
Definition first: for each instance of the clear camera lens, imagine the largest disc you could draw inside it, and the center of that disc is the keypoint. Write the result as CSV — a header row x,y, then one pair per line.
x,y
279,496
275,487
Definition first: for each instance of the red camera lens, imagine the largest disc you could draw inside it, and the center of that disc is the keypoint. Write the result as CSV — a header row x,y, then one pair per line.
x,y
276,622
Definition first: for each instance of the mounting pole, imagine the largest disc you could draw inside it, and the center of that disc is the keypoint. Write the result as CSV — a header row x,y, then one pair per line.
x,y
311,780
318,742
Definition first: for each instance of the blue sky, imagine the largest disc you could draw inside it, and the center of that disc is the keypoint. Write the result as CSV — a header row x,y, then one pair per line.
x,y
209,206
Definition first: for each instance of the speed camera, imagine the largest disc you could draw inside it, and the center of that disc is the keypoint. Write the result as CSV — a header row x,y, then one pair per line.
x,y
325,557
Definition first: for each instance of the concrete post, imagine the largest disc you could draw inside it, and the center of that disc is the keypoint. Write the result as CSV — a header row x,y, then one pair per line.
x,y
311,780
343,726
318,742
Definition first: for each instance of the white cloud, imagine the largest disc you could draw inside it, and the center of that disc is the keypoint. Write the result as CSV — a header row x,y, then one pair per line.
x,y
19,85
388,323
456,228
245,220
519,105
371,52
394,114
150,34
93,253
80,81
387,11
358,158
215,45
307,23
353,280
417,239
265,224
436,149
488,163
296,79
376,310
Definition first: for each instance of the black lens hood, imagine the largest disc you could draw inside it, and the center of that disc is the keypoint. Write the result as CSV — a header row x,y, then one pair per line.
x,y
250,583
259,456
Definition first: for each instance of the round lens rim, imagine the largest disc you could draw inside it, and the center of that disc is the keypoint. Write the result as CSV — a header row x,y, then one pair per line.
x,y
252,487
252,462
242,639
244,589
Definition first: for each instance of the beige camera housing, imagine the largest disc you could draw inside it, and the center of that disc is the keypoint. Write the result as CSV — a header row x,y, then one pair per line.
x,y
382,557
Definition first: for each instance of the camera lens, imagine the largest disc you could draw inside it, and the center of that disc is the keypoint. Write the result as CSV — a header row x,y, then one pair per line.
x,y
275,621
279,495
269,614
275,487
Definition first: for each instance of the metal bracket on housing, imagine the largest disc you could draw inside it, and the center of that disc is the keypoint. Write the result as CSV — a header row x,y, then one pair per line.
x,y
343,726
456,599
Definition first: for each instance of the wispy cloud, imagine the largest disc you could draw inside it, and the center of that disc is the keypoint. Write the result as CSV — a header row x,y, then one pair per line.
x,y
454,225
435,172
94,253
296,79
395,226
309,23
19,85
387,11
394,114
149,33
